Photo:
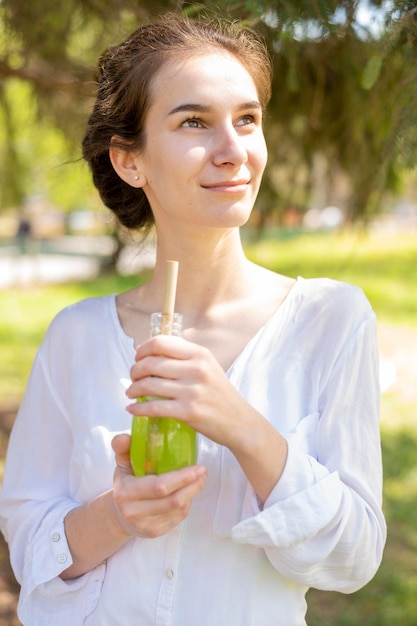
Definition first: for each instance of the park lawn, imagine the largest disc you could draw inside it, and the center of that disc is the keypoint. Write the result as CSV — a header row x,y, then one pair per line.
x,y
25,314
382,263
391,597
385,266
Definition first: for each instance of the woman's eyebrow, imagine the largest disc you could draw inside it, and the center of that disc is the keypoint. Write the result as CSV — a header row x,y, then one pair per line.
x,y
201,108
190,107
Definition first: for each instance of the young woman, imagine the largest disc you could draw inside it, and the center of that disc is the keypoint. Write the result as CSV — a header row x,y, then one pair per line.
x,y
278,376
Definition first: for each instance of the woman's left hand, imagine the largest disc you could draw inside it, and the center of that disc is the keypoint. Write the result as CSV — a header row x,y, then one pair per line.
x,y
189,385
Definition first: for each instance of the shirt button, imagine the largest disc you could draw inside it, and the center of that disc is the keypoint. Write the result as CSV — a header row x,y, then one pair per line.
x,y
169,573
56,537
61,558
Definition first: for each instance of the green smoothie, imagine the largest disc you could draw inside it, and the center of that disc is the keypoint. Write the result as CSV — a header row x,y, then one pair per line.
x,y
161,444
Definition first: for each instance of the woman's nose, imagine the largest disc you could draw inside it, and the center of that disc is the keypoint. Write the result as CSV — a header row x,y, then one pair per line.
x,y
229,148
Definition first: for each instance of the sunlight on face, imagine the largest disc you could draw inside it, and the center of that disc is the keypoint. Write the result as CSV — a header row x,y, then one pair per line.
x,y
205,150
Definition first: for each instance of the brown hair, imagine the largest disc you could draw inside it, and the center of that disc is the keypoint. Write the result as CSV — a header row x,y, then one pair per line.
x,y
126,72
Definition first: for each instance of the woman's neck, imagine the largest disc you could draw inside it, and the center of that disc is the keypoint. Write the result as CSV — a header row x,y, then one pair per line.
x,y
219,292
211,270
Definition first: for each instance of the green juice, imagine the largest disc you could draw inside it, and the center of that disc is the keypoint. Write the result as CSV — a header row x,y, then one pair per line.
x,y
161,444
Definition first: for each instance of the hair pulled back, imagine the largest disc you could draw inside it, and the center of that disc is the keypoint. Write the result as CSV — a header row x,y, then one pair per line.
x,y
125,75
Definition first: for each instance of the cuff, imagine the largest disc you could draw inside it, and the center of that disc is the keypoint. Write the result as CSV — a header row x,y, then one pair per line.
x,y
293,520
48,554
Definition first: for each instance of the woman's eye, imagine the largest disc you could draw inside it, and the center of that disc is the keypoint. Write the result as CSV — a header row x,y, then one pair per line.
x,y
246,119
193,122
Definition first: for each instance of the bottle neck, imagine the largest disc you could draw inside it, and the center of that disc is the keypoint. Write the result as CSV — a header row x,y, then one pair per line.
x,y
163,324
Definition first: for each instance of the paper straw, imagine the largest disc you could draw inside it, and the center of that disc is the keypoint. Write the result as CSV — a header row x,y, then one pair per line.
x,y
168,303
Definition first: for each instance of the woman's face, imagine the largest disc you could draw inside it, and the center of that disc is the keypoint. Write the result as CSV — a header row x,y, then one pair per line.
x,y
204,149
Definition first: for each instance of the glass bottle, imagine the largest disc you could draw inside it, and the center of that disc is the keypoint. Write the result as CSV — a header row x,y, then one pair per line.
x,y
161,444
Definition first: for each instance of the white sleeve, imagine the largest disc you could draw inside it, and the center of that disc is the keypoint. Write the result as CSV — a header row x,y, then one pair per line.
x,y
35,499
322,525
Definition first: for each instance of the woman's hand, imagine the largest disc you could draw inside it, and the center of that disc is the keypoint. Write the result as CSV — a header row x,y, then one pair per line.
x,y
135,507
192,386
195,389
152,505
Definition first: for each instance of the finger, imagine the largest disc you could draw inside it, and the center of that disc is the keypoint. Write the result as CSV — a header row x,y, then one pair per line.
x,y
143,512
161,406
165,485
152,371
165,345
150,381
161,487
121,447
152,365
171,510
121,443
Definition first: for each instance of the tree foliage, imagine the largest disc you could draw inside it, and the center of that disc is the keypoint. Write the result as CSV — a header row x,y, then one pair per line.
x,y
344,88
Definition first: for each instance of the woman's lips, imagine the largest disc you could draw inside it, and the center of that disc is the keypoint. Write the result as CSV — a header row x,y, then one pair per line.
x,y
228,185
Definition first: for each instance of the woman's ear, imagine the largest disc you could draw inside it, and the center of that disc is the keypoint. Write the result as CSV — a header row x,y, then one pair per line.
x,y
125,165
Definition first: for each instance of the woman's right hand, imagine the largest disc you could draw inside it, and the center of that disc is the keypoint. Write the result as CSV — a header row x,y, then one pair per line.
x,y
150,506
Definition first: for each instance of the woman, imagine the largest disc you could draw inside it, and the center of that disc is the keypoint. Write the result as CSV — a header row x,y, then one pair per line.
x,y
278,376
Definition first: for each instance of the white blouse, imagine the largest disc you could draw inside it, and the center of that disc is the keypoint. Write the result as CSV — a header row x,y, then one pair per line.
x,y
312,370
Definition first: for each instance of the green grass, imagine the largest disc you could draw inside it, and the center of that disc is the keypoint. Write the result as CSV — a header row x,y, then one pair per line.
x,y
385,266
391,597
25,314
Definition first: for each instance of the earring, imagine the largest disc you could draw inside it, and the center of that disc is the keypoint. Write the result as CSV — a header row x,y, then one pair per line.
x,y
136,177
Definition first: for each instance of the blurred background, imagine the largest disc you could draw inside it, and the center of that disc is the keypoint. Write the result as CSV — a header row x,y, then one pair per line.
x,y
339,198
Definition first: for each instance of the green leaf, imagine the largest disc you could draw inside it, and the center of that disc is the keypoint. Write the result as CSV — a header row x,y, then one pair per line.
x,y
372,71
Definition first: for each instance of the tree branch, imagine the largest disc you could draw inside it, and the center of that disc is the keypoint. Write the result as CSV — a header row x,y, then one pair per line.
x,y
50,80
